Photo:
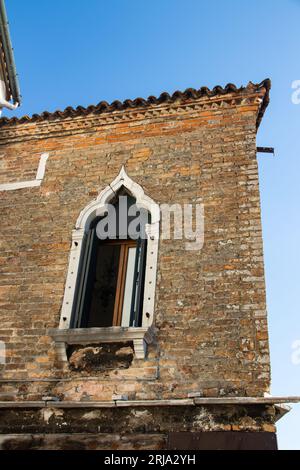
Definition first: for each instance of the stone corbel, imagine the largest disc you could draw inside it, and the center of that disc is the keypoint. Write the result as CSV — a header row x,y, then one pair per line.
x,y
61,352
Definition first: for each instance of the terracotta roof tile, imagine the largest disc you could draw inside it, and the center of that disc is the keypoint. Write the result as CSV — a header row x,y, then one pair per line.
x,y
189,93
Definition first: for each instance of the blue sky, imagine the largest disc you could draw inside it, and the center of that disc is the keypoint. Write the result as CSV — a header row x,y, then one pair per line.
x,y
71,52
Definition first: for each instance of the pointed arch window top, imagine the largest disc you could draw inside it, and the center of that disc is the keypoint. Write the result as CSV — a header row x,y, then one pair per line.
x,y
98,206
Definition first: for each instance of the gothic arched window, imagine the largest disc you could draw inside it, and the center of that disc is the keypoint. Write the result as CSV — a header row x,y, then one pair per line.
x,y
110,288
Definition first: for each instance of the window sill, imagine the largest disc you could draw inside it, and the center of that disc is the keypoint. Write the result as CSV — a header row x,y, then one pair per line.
x,y
140,336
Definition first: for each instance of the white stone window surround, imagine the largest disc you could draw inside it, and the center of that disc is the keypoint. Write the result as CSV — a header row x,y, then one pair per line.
x,y
96,208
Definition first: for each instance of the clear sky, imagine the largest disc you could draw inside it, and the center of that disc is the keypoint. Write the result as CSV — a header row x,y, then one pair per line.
x,y
75,52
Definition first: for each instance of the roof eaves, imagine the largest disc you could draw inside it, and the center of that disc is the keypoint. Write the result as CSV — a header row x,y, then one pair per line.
x,y
266,84
262,88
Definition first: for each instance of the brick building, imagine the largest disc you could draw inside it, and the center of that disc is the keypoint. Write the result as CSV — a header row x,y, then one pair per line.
x,y
183,346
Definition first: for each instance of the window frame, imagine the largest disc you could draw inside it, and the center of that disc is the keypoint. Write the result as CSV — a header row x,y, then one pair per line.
x,y
98,208
83,293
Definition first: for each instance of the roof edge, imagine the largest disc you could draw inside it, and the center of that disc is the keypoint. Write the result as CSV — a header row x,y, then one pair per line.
x,y
266,100
164,98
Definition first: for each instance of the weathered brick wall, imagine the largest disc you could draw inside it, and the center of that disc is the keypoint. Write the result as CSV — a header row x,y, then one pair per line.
x,y
126,427
210,304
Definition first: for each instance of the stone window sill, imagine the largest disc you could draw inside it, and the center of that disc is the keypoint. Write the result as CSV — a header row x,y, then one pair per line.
x,y
140,337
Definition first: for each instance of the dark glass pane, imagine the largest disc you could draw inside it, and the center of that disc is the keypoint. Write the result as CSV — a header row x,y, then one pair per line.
x,y
138,284
104,286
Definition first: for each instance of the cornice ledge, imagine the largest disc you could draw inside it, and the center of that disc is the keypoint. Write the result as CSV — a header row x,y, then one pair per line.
x,y
81,124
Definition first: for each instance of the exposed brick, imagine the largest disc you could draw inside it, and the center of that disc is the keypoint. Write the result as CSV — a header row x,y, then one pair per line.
x,y
210,310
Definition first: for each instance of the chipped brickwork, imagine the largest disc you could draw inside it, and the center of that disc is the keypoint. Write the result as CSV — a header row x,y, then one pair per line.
x,y
210,312
137,420
123,428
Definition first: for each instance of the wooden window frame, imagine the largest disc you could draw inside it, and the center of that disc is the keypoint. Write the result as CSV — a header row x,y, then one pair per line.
x,y
81,311
125,244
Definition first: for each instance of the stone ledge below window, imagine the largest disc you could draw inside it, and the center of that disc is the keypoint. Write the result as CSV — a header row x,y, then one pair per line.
x,y
140,336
